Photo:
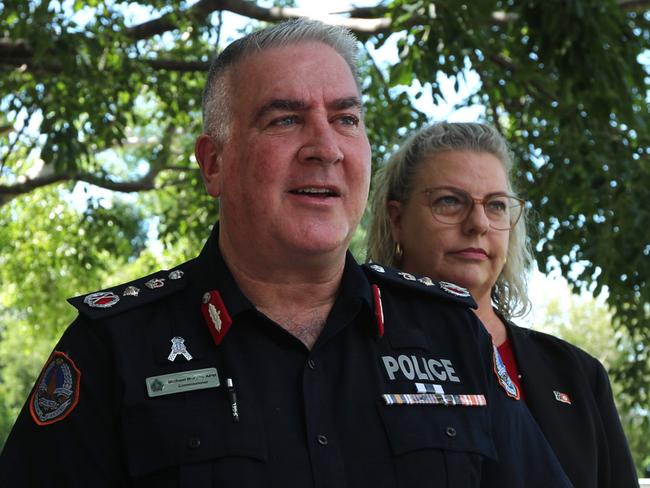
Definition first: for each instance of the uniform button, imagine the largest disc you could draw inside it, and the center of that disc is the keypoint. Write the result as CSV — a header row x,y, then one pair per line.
x,y
311,363
322,440
194,442
450,431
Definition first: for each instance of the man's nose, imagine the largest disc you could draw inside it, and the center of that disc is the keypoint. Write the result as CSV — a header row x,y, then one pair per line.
x,y
321,144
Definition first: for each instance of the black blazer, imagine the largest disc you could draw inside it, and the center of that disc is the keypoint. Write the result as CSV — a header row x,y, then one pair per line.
x,y
586,434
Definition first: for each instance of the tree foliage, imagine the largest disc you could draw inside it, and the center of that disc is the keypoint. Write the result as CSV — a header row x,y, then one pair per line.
x,y
108,93
587,323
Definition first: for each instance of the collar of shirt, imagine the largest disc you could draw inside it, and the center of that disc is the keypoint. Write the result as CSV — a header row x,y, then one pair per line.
x,y
212,273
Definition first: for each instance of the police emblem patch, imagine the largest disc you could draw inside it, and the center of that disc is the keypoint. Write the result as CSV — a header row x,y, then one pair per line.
x,y
502,375
57,390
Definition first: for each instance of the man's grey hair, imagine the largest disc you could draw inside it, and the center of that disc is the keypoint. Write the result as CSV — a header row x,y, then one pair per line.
x,y
219,87
396,180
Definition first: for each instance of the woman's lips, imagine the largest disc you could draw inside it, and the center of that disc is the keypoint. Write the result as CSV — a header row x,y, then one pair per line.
x,y
473,253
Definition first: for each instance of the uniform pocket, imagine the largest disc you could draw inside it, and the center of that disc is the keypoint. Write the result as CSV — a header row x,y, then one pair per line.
x,y
449,444
192,440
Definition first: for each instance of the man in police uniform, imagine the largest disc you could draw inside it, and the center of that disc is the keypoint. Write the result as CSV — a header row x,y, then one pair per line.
x,y
273,359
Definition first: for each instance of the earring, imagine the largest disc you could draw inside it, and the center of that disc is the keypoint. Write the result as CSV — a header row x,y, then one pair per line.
x,y
399,252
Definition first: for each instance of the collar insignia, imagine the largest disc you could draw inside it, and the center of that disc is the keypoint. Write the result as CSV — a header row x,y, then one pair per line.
x,y
215,315
379,310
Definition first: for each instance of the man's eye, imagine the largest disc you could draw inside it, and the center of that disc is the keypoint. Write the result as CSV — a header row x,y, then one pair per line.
x,y
350,120
285,121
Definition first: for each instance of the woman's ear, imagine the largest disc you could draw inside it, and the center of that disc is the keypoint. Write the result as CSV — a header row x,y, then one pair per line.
x,y
208,154
394,209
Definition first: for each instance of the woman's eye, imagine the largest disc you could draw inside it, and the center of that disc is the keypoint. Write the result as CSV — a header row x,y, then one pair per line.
x,y
447,201
497,206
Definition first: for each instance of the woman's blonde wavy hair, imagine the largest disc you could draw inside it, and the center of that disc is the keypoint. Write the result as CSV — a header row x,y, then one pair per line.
x,y
396,179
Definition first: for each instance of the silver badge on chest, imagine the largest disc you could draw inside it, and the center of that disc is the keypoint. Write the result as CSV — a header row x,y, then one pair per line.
x,y
178,347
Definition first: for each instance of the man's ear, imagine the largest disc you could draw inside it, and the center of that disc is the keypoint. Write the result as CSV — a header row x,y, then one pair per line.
x,y
394,209
208,154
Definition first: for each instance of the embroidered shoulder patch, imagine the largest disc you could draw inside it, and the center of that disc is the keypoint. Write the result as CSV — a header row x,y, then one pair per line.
x,y
57,390
502,375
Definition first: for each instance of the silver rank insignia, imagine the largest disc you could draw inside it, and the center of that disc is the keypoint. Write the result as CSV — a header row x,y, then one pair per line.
x,y
101,299
177,274
454,289
407,276
377,268
155,283
131,291
425,280
178,347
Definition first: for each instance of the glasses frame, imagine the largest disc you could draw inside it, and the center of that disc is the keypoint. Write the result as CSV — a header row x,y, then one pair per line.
x,y
474,201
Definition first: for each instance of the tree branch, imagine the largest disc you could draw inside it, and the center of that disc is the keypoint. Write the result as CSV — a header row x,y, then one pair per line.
x,y
633,4
26,58
47,177
363,21
360,20
249,9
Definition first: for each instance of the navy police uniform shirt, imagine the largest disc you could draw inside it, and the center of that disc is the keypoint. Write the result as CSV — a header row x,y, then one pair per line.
x,y
177,380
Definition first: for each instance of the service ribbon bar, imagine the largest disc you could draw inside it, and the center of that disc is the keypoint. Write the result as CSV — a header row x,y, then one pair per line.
x,y
434,399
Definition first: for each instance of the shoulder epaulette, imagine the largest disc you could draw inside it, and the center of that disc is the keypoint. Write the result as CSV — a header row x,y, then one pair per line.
x,y
118,299
442,289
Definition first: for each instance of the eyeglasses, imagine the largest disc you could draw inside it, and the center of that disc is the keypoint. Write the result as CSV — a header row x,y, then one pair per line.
x,y
451,206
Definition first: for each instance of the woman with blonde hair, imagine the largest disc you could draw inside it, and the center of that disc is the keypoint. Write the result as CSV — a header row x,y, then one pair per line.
x,y
444,206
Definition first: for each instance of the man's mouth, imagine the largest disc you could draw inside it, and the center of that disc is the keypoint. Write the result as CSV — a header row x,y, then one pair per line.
x,y
316,192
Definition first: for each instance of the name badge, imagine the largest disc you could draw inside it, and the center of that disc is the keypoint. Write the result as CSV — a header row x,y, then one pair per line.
x,y
197,379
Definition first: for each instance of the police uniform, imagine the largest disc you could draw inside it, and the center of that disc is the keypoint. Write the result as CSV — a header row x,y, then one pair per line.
x,y
568,393
182,382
